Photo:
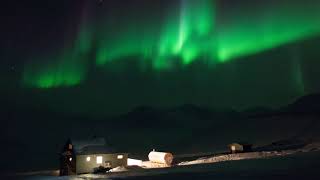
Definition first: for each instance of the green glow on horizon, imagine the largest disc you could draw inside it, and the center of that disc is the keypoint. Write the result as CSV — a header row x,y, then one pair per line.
x,y
67,68
63,71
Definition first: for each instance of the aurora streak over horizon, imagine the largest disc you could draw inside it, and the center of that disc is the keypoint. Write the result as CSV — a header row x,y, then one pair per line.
x,y
198,31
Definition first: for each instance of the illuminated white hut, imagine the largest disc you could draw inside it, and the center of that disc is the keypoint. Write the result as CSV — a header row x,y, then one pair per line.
x,y
93,154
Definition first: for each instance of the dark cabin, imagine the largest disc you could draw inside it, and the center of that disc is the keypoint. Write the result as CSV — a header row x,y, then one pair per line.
x,y
89,156
240,147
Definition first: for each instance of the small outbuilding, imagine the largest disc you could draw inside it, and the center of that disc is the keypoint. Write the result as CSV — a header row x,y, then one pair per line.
x,y
240,147
79,157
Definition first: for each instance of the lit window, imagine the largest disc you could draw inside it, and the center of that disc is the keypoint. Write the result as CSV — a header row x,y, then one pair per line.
x,y
88,158
233,148
99,159
120,156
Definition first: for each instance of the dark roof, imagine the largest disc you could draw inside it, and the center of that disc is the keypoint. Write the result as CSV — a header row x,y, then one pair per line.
x,y
95,145
95,150
78,145
241,143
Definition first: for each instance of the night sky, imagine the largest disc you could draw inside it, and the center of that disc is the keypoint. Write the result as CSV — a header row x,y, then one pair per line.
x,y
104,57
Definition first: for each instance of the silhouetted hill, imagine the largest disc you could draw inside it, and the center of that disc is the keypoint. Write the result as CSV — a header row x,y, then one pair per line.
x,y
306,104
143,117
182,129
257,111
185,115
193,115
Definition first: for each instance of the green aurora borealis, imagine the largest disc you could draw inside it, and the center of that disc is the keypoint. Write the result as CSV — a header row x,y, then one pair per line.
x,y
190,31
177,70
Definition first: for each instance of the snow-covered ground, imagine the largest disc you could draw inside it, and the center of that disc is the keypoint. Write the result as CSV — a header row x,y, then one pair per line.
x,y
288,164
251,155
